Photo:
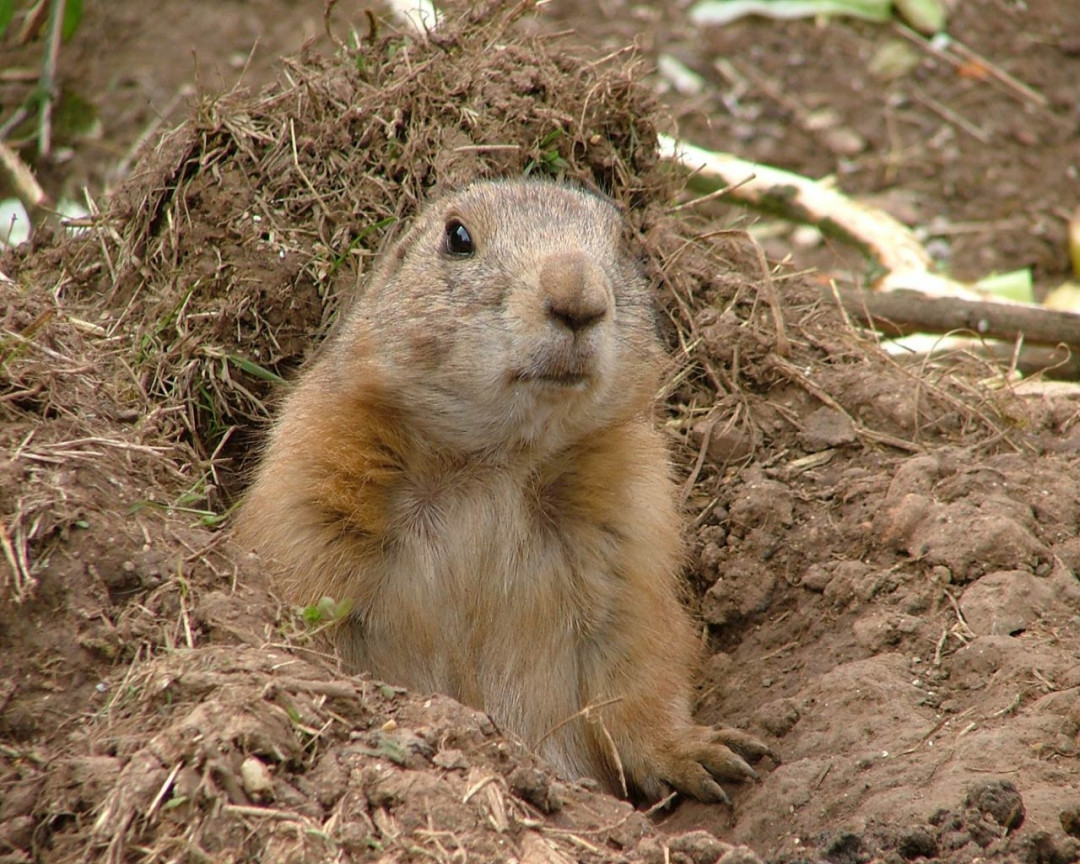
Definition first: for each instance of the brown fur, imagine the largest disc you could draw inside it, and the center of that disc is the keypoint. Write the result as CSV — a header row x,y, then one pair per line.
x,y
473,466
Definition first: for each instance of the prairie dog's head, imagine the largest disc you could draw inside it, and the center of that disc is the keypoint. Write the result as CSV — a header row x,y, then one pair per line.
x,y
513,314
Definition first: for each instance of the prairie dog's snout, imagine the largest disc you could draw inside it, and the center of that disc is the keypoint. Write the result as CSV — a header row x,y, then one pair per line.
x,y
576,294
568,335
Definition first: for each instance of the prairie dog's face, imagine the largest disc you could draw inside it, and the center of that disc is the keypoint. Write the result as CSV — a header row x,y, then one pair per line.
x,y
516,313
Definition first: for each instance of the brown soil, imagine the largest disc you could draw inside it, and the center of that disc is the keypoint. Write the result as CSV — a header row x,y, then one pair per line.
x,y
884,557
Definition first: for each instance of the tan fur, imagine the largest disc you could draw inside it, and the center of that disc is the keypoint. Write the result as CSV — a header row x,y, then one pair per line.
x,y
472,464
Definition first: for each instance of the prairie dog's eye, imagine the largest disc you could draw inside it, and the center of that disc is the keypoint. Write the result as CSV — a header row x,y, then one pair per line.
x,y
458,242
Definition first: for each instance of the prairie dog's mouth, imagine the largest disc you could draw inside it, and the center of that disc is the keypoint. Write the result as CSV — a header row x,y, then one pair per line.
x,y
553,378
558,366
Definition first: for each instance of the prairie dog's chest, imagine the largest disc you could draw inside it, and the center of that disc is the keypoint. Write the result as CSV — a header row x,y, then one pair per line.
x,y
479,532
460,531
484,595
486,560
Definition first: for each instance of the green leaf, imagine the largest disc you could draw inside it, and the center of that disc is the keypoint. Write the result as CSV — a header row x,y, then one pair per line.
x,y
360,235
255,369
926,16
7,10
1014,285
72,17
175,801
552,136
326,611
386,748
726,11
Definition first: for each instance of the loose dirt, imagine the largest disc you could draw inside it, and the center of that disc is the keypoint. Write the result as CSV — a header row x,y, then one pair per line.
x,y
883,556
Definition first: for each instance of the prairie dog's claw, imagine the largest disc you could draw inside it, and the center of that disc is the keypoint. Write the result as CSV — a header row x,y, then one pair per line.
x,y
705,755
747,746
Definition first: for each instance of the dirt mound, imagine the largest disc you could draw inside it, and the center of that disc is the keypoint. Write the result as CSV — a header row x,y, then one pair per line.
x,y
884,557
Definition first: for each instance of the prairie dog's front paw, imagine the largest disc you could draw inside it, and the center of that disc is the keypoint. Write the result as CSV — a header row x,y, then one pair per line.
x,y
701,755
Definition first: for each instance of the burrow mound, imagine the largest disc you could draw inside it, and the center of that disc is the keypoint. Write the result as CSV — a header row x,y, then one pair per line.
x,y
157,699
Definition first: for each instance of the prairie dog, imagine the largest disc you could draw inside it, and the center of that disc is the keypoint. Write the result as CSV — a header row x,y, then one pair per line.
x,y
473,466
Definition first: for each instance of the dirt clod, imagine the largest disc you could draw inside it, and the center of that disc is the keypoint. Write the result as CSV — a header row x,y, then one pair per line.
x,y
999,800
537,788
845,848
917,843
1070,820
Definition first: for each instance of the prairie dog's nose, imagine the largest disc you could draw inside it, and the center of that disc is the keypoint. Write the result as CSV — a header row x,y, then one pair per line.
x,y
573,291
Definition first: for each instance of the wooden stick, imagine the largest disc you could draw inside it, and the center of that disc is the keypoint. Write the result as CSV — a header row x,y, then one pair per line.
x,y
1051,338
903,311
25,185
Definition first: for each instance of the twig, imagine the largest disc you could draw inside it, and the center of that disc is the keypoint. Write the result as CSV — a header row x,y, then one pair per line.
x,y
476,787
486,148
937,727
768,288
584,712
263,812
716,193
607,829
893,246
31,25
700,461
1011,83
17,117
163,790
946,113
1008,709
24,184
940,48
940,644
900,311
960,629
106,442
619,770
23,581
